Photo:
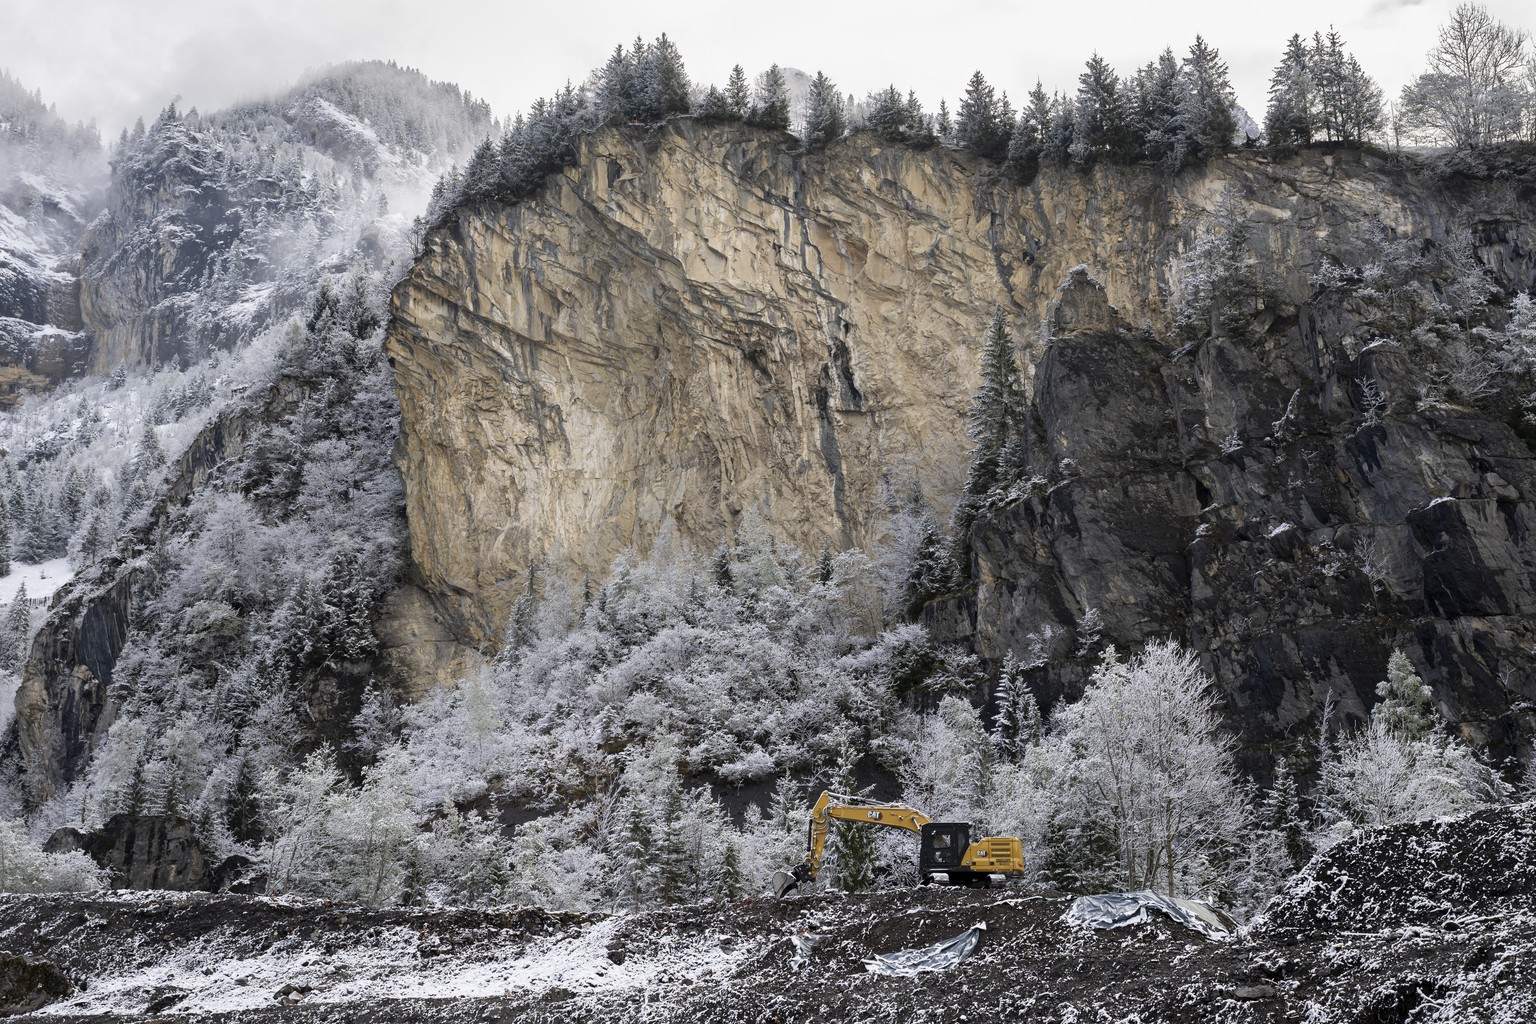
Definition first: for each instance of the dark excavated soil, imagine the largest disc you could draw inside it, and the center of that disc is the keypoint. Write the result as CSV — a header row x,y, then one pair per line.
x,y
1420,923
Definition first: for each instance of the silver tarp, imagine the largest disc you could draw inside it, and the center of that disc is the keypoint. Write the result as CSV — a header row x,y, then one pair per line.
x,y
1117,909
940,956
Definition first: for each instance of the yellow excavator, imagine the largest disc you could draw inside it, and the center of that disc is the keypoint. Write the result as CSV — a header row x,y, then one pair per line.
x,y
946,853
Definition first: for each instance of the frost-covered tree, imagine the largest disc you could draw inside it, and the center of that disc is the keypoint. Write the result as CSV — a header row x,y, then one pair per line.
x,y
1290,118
1218,289
1405,708
896,118
1062,130
1206,102
949,762
1017,725
824,121
997,427
1400,768
24,868
15,631
1027,144
771,110
852,852
1157,119
1100,129
738,94
1147,770
982,123
1475,91
1347,102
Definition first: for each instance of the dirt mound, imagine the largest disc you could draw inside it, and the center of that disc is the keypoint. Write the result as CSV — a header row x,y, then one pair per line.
x,y
1424,873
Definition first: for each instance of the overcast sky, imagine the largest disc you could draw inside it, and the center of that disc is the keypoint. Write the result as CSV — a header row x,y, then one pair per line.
x,y
118,59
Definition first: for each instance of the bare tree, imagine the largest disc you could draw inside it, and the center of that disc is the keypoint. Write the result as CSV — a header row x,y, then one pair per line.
x,y
1473,93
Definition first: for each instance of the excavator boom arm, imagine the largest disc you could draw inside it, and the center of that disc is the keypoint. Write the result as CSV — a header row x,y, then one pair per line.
x,y
830,807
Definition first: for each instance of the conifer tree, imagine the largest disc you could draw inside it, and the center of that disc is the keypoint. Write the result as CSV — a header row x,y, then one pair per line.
x,y
1099,130
5,544
942,126
1330,72
981,126
919,124
669,93
997,413
672,861
15,631
824,566
714,106
1157,120
1063,127
932,571
772,110
1289,121
738,95
72,500
637,870
1017,724
996,428
1361,114
824,113
1027,144
732,885
887,115
1207,101
1405,709
853,848
1281,812
151,455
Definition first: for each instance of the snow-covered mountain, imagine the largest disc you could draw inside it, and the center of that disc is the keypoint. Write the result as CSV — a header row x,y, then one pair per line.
x,y
51,175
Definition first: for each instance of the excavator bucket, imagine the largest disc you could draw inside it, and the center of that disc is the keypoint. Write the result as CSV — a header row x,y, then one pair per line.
x,y
784,883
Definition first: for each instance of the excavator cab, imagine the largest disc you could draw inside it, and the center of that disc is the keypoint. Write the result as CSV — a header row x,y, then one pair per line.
x,y
943,847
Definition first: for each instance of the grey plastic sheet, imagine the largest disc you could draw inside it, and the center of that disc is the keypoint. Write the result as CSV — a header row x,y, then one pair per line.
x,y
805,943
940,956
1118,909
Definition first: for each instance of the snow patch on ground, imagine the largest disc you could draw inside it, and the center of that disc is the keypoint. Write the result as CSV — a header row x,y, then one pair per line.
x,y
398,962
43,579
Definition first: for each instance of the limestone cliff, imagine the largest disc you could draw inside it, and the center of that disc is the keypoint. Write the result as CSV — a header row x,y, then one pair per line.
x,y
701,321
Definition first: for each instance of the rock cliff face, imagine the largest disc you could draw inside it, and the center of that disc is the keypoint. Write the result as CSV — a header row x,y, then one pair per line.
x,y
41,331
168,223
1239,496
704,321
687,329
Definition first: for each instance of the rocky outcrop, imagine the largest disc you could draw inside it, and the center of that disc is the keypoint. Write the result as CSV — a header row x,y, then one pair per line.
x,y
142,852
684,331
697,322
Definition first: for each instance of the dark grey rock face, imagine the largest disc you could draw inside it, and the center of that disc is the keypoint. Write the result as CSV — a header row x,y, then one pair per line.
x,y
1238,495
142,852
